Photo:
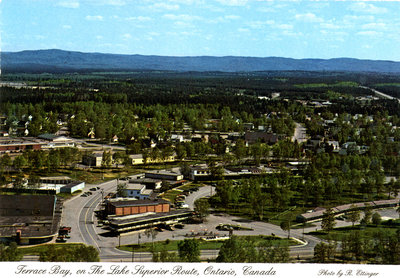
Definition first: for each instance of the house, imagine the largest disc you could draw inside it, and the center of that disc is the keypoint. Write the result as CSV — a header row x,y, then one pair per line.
x,y
199,172
91,134
334,144
138,191
177,138
248,126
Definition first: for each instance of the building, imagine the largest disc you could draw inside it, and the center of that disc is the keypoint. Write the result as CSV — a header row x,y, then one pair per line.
x,y
137,159
15,145
130,207
199,172
61,184
72,187
29,219
164,175
93,160
123,224
138,191
263,137
55,141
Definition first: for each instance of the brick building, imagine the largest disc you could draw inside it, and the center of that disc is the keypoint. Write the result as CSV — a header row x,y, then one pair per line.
x,y
130,207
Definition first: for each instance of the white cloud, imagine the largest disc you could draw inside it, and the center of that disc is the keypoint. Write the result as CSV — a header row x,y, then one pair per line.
x,y
374,25
308,17
182,17
260,24
40,37
284,26
233,2
69,4
362,7
99,37
139,18
164,6
328,25
188,2
126,36
369,33
107,2
232,17
113,2
94,17
66,27
243,30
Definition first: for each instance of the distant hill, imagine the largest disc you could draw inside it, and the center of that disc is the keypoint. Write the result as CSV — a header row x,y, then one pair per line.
x,y
55,60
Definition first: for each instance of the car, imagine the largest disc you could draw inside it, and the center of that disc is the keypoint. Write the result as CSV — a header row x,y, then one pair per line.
x,y
179,226
61,239
93,189
89,193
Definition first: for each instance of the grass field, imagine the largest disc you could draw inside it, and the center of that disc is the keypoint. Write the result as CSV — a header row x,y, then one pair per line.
x,y
367,231
172,245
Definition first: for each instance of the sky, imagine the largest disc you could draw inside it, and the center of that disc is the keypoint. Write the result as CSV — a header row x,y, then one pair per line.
x,y
257,28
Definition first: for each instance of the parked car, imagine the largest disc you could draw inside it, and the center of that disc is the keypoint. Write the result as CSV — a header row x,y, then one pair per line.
x,y
61,239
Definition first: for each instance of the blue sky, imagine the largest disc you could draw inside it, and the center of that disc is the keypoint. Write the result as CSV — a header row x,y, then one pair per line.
x,y
261,28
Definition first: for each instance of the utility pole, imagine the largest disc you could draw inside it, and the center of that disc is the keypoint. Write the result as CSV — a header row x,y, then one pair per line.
x,y
138,240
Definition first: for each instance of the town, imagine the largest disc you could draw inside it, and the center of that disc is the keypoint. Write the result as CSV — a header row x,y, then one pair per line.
x,y
268,167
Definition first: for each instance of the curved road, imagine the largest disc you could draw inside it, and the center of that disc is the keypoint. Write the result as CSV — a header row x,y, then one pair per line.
x,y
79,213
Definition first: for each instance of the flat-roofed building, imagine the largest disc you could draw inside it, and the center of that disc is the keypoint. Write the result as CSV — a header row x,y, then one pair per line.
x,y
56,141
29,219
130,207
164,175
20,144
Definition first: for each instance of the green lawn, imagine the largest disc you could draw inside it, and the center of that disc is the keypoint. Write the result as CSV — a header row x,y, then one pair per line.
x,y
171,194
172,245
368,231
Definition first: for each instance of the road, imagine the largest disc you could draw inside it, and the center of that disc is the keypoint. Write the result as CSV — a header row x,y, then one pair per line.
x,y
380,94
79,214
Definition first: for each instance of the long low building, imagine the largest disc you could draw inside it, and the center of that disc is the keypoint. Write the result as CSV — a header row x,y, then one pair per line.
x,y
129,223
130,207
29,219
317,214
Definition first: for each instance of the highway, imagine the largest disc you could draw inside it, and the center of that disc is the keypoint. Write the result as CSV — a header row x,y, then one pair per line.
x,y
380,94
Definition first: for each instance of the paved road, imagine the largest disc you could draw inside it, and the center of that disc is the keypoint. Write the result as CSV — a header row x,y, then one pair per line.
x,y
380,94
79,214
